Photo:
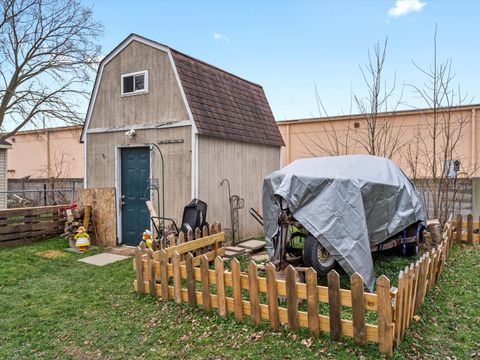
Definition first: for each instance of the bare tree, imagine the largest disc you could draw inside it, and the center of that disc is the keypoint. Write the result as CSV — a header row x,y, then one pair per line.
x,y
379,136
433,156
376,134
47,49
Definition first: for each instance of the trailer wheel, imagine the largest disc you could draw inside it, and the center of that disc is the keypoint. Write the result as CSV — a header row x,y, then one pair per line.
x,y
316,256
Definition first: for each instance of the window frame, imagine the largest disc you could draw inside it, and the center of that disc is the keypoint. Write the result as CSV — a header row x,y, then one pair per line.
x,y
134,92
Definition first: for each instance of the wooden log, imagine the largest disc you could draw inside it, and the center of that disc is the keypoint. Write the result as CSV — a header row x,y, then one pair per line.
x,y
151,274
385,330
253,292
139,269
469,229
192,299
358,309
205,276
334,305
292,299
237,290
164,274
312,301
272,296
220,283
177,278
458,228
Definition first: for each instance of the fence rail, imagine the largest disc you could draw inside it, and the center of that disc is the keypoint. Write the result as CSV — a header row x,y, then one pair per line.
x,y
24,225
193,272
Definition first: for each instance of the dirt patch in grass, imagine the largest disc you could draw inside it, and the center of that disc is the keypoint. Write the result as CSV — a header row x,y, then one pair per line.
x,y
50,254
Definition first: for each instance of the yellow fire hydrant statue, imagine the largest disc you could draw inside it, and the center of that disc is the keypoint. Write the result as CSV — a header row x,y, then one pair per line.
x,y
147,237
82,239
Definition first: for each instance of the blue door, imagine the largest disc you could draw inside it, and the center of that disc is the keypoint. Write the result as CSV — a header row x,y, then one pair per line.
x,y
135,175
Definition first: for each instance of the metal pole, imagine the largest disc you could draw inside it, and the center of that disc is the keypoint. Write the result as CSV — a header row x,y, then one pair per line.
x,y
163,179
231,209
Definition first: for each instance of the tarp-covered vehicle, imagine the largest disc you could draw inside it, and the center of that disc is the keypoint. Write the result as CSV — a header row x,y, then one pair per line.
x,y
340,209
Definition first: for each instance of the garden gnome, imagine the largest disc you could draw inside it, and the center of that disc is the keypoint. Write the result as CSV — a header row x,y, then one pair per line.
x,y
82,239
147,237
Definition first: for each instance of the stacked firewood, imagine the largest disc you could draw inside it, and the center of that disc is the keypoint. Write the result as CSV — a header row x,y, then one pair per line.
x,y
75,219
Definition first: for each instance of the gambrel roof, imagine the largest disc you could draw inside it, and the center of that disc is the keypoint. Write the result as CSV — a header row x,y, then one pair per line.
x,y
220,104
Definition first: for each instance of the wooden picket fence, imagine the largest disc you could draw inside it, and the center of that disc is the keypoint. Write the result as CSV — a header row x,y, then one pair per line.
x,y
194,273
416,280
466,230
24,225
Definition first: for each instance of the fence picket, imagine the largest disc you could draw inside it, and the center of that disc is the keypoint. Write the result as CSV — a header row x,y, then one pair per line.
x,y
253,292
206,299
164,274
400,303
151,273
181,238
292,299
220,283
416,276
469,229
192,299
177,278
139,269
272,296
189,235
358,308
237,290
312,301
458,228
406,297
334,308
385,338
198,233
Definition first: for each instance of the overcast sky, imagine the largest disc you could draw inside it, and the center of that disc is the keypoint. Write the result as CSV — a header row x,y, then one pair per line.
x,y
288,47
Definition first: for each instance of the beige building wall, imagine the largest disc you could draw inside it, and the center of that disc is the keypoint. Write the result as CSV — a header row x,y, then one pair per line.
x,y
3,178
313,137
244,165
54,152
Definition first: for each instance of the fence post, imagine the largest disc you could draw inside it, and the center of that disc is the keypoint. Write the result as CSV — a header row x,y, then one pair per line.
x,y
272,296
207,304
164,274
385,338
220,272
237,290
292,299
334,305
151,273
312,301
358,308
253,292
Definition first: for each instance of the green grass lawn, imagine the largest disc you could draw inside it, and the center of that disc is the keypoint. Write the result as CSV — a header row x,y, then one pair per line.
x,y
56,308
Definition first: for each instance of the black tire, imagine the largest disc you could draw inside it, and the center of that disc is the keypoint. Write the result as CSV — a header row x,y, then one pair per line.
x,y
316,256
411,249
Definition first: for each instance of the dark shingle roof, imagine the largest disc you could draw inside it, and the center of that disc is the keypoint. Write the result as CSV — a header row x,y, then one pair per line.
x,y
3,142
224,105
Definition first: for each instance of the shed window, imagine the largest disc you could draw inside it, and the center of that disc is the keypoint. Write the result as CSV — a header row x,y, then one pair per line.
x,y
135,83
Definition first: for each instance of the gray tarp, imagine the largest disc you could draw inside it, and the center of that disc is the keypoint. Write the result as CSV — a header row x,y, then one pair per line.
x,y
347,202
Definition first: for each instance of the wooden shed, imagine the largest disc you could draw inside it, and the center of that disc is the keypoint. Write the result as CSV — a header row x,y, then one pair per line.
x,y
209,125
